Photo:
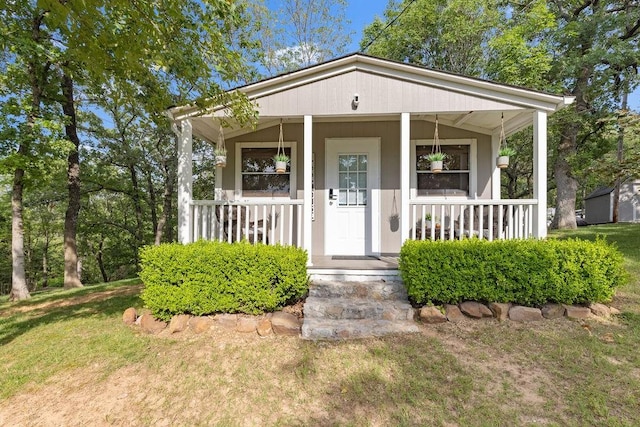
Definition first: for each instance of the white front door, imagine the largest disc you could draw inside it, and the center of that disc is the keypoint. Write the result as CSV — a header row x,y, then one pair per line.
x,y
352,196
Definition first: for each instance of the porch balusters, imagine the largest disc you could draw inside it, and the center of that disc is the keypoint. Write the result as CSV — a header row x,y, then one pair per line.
x,y
277,222
483,219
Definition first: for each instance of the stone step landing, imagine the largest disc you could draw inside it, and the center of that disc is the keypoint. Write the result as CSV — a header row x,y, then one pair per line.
x,y
341,310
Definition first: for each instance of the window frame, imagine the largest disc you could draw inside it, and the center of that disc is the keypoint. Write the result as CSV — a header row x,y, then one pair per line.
x,y
268,144
473,167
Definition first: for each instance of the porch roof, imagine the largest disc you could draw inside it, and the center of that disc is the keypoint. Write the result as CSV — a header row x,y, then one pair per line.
x,y
385,89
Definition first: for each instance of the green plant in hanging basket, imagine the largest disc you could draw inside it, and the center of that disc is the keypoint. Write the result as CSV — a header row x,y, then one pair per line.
x,y
220,155
506,151
438,156
503,156
281,158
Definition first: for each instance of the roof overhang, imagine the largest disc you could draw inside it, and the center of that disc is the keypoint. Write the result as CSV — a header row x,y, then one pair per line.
x,y
522,102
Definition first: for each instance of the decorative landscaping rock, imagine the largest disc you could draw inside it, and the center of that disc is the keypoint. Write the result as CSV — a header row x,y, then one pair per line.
x,y
475,309
200,324
142,313
577,312
129,316
453,313
500,310
264,327
600,310
518,313
614,311
553,311
246,324
431,314
179,323
150,324
228,321
285,324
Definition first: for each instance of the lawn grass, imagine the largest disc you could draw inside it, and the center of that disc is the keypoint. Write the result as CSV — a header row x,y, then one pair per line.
x,y
58,358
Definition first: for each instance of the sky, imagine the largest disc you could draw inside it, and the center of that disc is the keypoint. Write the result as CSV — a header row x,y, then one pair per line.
x,y
362,12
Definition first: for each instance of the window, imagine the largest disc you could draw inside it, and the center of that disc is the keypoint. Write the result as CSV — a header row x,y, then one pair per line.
x,y
352,180
457,179
256,175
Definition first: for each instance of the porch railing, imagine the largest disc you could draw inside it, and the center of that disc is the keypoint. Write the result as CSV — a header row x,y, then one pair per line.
x,y
268,222
443,219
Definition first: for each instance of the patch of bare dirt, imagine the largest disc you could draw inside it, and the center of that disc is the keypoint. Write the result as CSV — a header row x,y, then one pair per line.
x,y
73,300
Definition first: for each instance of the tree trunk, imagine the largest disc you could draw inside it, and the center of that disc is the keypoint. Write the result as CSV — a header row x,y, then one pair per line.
x,y
136,206
71,276
620,157
567,185
19,289
164,223
152,201
45,261
100,260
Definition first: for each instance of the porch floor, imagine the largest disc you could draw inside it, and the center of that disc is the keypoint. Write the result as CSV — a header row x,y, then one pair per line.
x,y
354,263
354,269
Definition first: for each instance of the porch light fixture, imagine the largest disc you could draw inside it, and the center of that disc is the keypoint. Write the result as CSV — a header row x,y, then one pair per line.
x,y
355,101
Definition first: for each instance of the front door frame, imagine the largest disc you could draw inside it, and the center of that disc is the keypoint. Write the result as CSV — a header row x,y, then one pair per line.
x,y
375,230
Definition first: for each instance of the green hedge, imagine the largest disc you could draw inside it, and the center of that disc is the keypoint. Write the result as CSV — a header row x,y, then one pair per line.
x,y
218,277
527,272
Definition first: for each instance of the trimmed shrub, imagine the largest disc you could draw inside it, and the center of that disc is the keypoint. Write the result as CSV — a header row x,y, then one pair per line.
x,y
218,277
527,272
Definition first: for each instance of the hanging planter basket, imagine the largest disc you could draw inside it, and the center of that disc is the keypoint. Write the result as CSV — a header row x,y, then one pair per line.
x,y
503,162
281,159
436,166
220,153
281,166
505,151
436,157
221,159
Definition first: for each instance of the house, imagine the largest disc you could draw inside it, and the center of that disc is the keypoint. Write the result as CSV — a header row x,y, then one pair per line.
x,y
599,204
357,130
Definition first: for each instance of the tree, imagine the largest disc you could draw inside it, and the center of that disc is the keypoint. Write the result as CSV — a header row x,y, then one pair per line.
x,y
593,42
91,45
300,33
443,34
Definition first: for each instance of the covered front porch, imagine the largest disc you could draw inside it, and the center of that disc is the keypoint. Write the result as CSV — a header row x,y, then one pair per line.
x,y
366,122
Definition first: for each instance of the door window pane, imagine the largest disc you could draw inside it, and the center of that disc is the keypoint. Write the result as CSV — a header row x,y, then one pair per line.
x,y
352,179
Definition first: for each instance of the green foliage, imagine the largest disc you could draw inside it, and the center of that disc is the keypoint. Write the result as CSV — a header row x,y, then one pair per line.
x,y
528,272
438,156
219,277
506,151
281,157
299,33
449,35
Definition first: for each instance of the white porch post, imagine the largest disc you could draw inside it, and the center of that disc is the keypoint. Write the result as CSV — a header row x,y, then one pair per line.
x,y
185,178
540,173
405,172
306,168
495,171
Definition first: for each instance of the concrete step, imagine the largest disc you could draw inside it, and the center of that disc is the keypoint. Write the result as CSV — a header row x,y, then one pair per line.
x,y
357,308
377,291
332,329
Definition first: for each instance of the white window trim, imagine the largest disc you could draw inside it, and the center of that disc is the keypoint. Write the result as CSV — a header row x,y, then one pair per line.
x,y
473,167
292,173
